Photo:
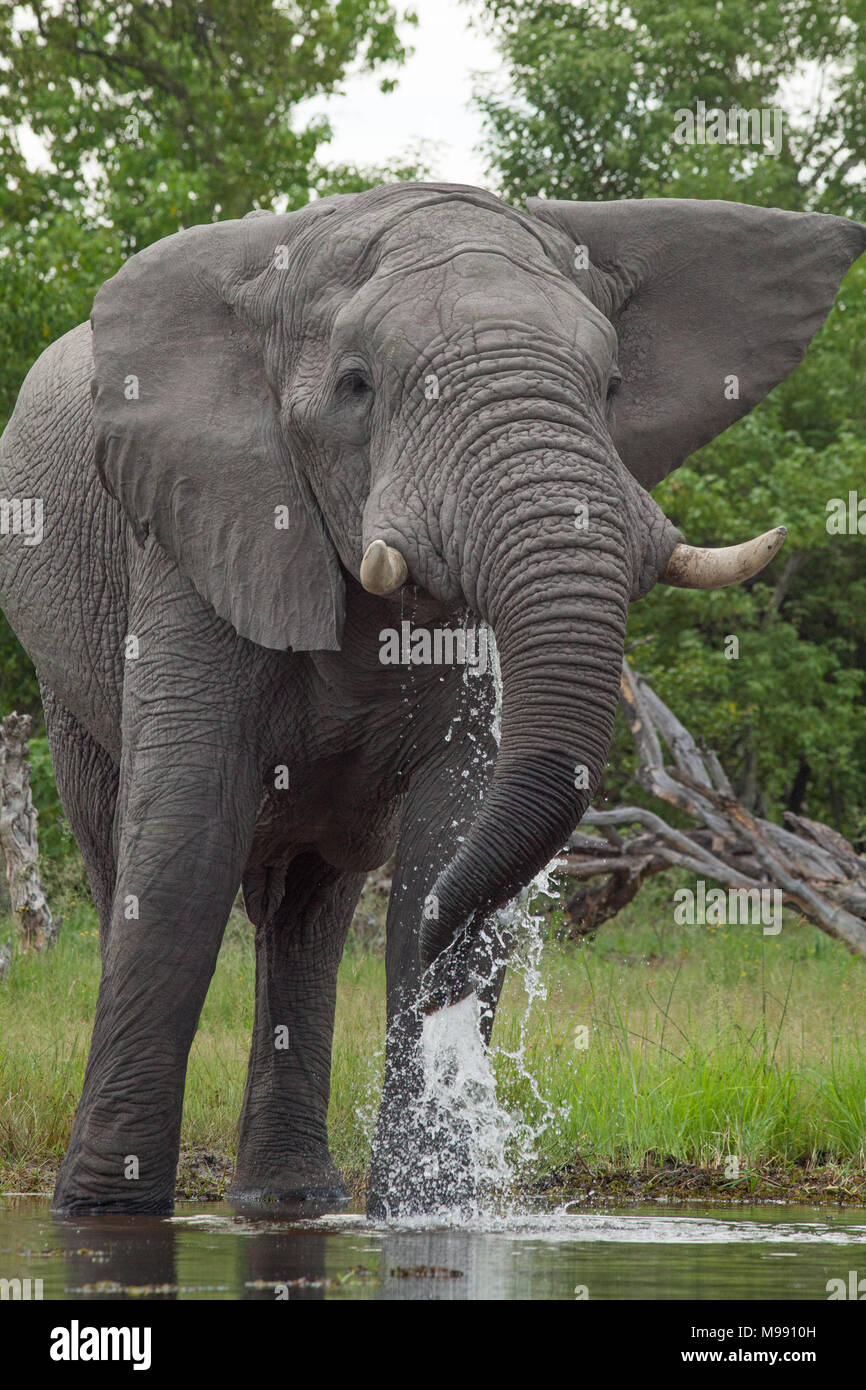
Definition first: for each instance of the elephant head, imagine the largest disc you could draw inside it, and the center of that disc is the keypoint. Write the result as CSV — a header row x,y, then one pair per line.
x,y
420,384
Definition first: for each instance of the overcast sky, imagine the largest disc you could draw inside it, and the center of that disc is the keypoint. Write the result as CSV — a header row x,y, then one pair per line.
x,y
431,106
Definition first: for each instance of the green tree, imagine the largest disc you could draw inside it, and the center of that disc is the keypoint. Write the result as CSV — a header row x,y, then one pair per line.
x,y
591,114
594,86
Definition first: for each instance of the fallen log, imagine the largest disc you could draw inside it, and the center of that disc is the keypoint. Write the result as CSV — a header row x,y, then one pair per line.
x,y
816,870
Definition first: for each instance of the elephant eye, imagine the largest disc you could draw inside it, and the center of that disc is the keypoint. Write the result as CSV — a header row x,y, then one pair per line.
x,y
614,383
353,386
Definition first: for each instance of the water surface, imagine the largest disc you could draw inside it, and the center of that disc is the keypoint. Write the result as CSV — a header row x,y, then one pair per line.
x,y
658,1250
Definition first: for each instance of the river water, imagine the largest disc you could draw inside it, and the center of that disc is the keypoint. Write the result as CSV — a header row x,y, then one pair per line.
x,y
653,1251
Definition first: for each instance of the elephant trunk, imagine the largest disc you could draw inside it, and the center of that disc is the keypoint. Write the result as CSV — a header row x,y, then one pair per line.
x,y
556,597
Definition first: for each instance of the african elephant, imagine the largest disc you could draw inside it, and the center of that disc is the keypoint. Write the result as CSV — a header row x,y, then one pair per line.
x,y
278,439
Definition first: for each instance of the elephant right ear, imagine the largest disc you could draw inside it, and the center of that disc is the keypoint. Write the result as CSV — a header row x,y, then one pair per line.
x,y
187,427
713,303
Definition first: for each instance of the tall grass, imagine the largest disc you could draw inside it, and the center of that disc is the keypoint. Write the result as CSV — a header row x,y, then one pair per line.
x,y
701,1042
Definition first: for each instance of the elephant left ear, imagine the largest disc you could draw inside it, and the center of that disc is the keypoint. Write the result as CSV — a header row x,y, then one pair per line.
x,y
714,304
188,437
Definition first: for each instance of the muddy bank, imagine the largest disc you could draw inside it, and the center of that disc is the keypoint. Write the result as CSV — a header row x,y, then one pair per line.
x,y
801,1182
205,1176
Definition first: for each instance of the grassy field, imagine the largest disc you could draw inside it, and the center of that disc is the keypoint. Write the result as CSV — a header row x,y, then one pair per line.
x,y
700,1044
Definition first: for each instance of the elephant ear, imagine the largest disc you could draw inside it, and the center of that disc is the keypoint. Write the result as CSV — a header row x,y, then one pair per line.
x,y
188,438
714,304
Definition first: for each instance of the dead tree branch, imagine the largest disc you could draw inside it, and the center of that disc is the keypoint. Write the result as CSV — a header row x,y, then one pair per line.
x,y
816,870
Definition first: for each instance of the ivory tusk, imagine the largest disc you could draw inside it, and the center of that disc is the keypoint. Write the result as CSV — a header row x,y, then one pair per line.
x,y
690,567
383,569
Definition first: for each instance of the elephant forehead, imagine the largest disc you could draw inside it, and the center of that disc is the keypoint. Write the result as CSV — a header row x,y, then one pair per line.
x,y
474,300
395,237
431,236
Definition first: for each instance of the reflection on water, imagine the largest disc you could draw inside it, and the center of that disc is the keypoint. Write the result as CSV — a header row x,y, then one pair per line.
x,y
653,1251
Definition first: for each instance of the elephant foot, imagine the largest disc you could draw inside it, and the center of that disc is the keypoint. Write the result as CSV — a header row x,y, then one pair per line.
x,y
289,1196
71,1200
84,1189
92,1206
293,1204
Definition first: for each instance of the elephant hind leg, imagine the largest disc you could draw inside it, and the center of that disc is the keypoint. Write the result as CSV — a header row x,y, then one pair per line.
x,y
87,782
283,1160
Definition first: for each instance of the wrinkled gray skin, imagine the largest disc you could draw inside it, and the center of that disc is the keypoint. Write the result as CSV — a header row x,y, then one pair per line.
x,y
295,377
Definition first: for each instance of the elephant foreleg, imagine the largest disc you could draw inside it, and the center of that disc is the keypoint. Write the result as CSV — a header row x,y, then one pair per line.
x,y
419,1160
190,787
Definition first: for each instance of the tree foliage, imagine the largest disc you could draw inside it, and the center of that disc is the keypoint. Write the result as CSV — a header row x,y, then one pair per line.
x,y
590,113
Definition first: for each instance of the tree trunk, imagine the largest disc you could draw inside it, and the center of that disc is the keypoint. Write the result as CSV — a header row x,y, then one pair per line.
x,y
18,820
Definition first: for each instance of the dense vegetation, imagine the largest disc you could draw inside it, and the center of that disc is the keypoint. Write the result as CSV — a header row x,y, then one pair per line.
x,y
155,116
589,112
703,1042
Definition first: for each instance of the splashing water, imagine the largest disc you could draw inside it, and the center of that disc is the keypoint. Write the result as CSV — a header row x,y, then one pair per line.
x,y
459,1080
459,1068
495,1143
463,1122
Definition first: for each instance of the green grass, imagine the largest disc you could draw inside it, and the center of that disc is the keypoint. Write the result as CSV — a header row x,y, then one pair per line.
x,y
702,1042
